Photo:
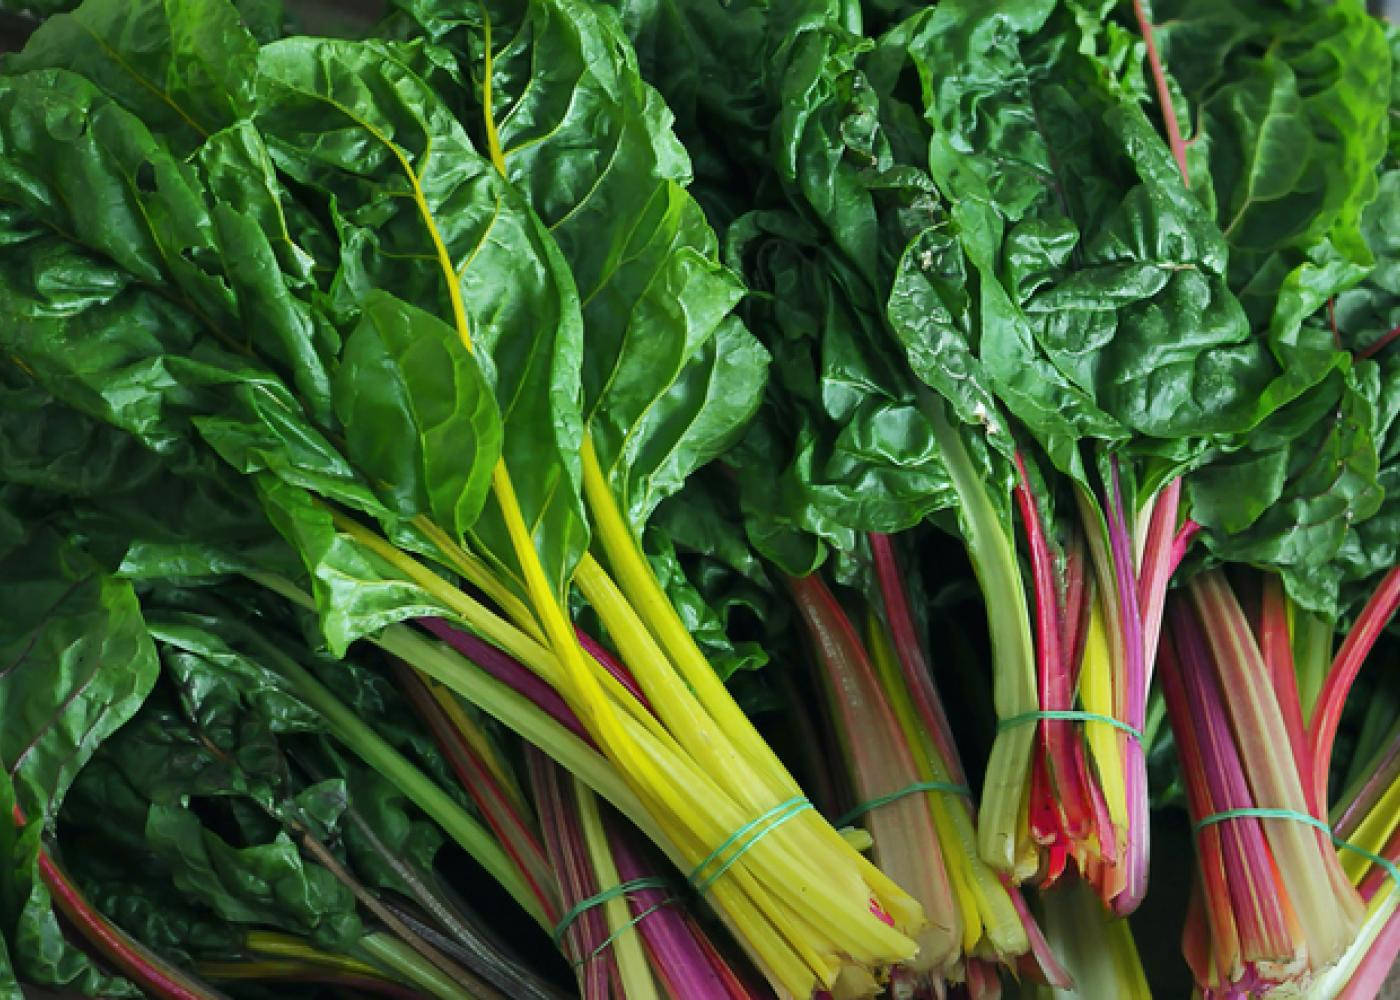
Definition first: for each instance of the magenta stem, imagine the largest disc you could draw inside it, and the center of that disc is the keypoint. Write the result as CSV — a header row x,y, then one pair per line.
x,y
508,671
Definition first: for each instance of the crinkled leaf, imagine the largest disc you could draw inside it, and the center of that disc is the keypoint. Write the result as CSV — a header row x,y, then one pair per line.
x,y
1291,107
357,593
422,213
77,663
260,884
666,381
185,67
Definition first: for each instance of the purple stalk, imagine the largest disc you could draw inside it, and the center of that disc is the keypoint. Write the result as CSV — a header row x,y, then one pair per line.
x,y
610,663
669,937
508,671
1242,887
563,836
1382,772
1133,706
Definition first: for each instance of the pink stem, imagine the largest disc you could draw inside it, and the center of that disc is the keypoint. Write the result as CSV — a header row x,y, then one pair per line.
x,y
670,939
910,653
1164,94
1277,649
1132,700
1379,344
608,662
1188,531
1359,640
1157,566
508,671
1067,785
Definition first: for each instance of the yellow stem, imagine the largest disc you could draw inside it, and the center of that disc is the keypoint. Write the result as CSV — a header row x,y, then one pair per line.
x,y
287,946
480,576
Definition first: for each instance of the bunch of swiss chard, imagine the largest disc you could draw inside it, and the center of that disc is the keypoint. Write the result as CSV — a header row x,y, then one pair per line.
x,y
439,306
1044,261
407,350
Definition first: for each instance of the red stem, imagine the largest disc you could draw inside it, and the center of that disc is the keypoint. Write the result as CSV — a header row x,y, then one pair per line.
x,y
910,653
610,663
1184,536
136,962
1359,640
1380,344
1164,94
1275,645
1067,785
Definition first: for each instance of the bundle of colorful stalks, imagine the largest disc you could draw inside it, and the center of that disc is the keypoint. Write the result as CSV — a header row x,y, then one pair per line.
x,y
626,932
616,917
1068,771
911,793
1276,908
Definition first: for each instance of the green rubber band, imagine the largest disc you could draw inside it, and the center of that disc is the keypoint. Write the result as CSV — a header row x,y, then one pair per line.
x,y
744,838
621,889
1069,716
884,800
623,930
1385,864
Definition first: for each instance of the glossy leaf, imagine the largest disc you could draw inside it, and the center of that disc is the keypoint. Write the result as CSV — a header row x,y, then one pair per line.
x,y
419,416
666,380
185,67
425,215
1291,110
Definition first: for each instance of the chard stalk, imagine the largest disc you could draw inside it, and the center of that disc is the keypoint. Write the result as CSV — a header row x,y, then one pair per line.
x,y
1369,962
913,665
370,747
564,839
506,669
688,969
1250,928
1002,838
1065,788
513,831
634,971
133,959
907,845
463,983
989,915
850,901
1132,700
391,953
1376,775
1099,952
282,970
1355,648
1317,891
1275,645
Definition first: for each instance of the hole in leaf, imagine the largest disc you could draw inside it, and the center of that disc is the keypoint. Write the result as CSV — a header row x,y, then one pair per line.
x,y
146,178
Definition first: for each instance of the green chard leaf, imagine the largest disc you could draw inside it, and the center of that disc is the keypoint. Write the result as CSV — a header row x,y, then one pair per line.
x,y
1291,110
842,446
667,378
424,215
78,664
418,412
185,67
